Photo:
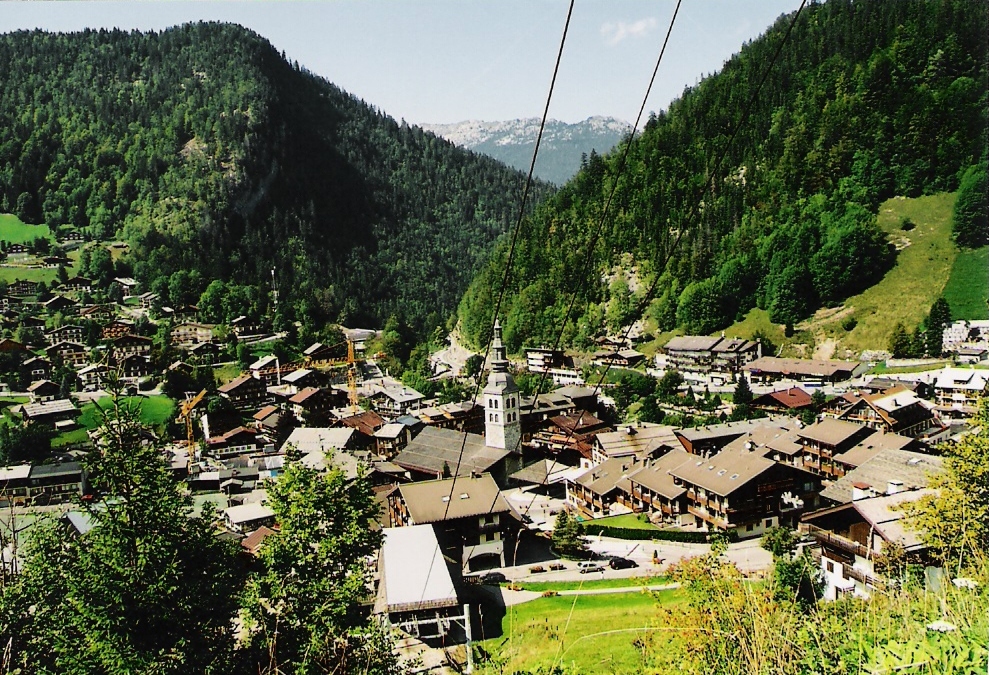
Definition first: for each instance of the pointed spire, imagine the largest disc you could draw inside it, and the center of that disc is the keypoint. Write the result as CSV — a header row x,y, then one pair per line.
x,y
499,361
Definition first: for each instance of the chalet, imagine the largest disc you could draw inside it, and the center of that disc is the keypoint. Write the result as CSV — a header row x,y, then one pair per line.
x,y
14,481
542,359
595,492
266,369
56,483
772,369
93,376
957,391
312,406
471,517
883,472
128,345
67,333
187,334
570,438
100,313
50,412
391,439
205,353
852,536
252,542
43,390
17,249
237,441
147,300
60,303
711,439
464,416
37,368
745,491
249,517
299,379
244,392
641,440
395,401
74,235
896,410
181,313
71,353
20,288
651,489
416,592
827,438
622,358
698,356
317,352
8,346
77,283
880,384
784,401
366,423
116,329
267,418
779,442
134,366
243,326
126,284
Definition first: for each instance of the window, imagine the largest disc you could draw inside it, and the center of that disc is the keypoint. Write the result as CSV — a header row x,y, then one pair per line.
x,y
830,566
769,522
495,401
748,528
496,417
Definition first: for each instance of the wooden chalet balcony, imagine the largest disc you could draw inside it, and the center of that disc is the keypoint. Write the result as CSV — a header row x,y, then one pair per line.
x,y
826,538
850,572
708,517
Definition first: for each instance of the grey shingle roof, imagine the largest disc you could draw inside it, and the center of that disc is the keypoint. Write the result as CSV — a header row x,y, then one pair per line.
x,y
909,467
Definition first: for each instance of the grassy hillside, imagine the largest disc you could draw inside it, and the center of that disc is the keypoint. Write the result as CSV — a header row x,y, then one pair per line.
x,y
14,231
533,633
928,264
968,286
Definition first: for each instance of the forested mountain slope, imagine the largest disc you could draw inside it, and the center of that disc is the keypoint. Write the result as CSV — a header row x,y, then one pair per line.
x,y
210,153
868,100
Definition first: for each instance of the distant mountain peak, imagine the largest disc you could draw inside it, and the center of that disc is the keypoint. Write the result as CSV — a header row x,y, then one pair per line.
x,y
512,141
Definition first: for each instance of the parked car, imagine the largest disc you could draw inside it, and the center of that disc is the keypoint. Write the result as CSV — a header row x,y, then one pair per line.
x,y
493,578
586,566
619,563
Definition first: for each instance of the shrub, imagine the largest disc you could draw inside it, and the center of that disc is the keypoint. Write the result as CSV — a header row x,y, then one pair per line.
x,y
849,323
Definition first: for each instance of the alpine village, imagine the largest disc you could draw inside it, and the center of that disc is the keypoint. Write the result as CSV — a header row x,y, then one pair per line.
x,y
289,386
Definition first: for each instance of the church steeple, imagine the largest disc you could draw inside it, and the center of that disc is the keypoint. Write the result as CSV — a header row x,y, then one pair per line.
x,y
502,428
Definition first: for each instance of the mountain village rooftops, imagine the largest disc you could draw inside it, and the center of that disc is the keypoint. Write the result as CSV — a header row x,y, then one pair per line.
x,y
296,375
884,515
310,439
962,378
800,367
245,513
63,405
432,502
830,431
435,451
764,439
655,474
872,446
641,438
264,362
725,472
390,431
607,475
910,468
692,343
716,431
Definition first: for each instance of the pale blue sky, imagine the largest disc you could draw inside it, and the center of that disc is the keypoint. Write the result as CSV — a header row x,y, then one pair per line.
x,y
453,60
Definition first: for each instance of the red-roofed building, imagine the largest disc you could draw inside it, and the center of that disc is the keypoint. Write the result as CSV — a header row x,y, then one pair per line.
x,y
786,400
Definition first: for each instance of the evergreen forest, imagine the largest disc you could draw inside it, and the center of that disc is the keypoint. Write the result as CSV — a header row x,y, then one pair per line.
x,y
217,160
866,101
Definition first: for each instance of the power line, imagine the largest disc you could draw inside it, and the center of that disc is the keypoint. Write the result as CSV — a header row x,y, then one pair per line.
x,y
509,261
693,212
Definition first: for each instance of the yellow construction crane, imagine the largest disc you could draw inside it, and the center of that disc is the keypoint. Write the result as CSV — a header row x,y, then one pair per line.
x,y
186,413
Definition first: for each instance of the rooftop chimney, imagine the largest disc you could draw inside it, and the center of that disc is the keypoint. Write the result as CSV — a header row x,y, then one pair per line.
x,y
894,486
861,491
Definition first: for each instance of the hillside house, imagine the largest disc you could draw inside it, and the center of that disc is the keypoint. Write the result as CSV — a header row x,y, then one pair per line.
x,y
50,412
396,401
187,334
472,519
67,333
244,392
115,329
698,356
826,439
641,440
599,490
957,391
653,490
543,359
886,471
77,284
128,345
36,368
72,353
852,536
239,441
898,410
134,366
312,406
768,369
622,358
43,390
783,401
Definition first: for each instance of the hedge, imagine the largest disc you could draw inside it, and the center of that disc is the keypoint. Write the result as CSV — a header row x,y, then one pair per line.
x,y
591,528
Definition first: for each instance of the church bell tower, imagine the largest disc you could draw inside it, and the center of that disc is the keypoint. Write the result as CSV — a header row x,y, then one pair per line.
x,y
502,428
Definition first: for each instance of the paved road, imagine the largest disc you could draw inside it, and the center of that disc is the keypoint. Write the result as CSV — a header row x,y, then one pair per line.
x,y
622,589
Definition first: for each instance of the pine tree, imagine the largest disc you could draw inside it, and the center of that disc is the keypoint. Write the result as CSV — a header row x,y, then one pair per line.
x,y
937,321
899,342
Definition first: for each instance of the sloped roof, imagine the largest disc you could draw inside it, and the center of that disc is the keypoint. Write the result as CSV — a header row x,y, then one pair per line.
x,y
322,439
655,473
431,501
912,468
830,431
437,450
639,439
791,398
692,343
607,475
872,446
725,472
414,575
